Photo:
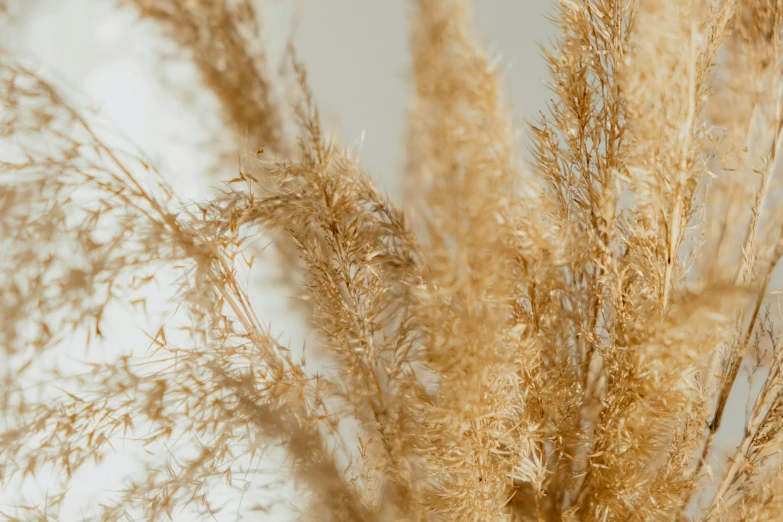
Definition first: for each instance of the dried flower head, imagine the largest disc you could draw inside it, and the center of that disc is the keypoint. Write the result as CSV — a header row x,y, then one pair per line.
x,y
558,344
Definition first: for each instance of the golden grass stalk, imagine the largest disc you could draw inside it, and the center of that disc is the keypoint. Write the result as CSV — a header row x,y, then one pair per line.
x,y
557,345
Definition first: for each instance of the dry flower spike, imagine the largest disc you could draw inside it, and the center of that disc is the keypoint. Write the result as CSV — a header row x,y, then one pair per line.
x,y
552,345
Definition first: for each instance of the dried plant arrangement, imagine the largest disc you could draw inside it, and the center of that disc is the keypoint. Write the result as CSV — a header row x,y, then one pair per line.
x,y
553,343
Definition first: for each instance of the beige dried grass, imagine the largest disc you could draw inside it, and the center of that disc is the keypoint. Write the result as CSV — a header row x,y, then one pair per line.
x,y
557,345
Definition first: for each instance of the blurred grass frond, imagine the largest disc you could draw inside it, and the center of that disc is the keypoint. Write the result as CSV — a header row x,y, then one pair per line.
x,y
552,343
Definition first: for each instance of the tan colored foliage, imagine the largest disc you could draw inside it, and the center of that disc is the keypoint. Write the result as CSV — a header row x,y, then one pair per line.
x,y
558,345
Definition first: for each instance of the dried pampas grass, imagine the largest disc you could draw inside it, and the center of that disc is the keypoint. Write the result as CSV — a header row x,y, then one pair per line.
x,y
554,345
